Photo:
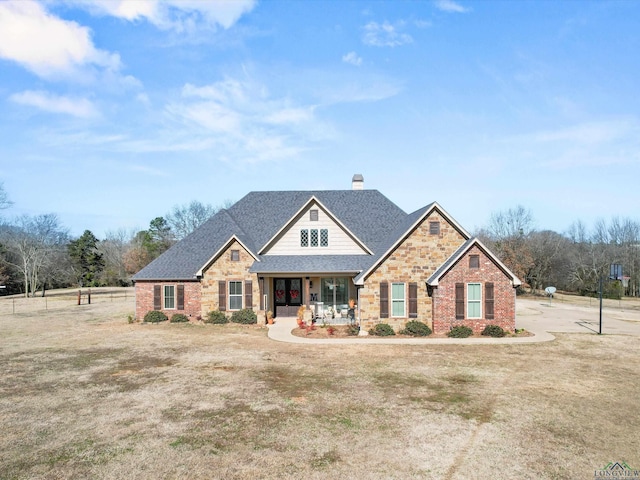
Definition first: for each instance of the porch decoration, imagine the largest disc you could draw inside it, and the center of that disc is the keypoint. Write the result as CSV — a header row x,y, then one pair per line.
x,y
270,317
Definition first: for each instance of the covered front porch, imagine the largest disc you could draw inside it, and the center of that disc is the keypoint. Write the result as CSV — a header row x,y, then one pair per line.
x,y
325,298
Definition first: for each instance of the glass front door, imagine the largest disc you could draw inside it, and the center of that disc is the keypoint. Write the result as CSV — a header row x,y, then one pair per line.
x,y
287,293
334,291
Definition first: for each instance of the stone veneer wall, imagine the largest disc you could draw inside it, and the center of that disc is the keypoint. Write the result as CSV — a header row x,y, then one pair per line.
x,y
419,255
444,296
224,269
144,299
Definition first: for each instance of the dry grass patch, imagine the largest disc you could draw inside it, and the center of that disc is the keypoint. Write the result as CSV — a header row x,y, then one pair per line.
x,y
84,394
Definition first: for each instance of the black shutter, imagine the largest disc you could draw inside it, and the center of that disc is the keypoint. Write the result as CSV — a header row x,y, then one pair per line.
x,y
180,299
222,296
248,294
488,301
157,297
413,300
459,301
384,300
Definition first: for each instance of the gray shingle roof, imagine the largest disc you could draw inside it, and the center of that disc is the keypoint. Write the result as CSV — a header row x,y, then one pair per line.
x,y
311,264
258,216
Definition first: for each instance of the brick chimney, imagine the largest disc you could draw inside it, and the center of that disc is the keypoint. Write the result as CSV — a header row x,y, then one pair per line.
x,y
357,182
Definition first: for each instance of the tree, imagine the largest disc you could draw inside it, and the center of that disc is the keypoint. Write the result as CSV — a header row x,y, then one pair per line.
x,y
33,245
114,249
86,259
4,198
508,236
184,219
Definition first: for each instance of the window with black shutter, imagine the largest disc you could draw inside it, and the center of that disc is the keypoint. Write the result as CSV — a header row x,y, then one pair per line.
x,y
180,297
459,301
413,300
157,297
248,294
384,300
488,301
222,296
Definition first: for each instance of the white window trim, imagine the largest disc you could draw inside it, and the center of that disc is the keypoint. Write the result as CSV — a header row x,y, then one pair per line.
x,y
404,300
469,301
229,295
164,297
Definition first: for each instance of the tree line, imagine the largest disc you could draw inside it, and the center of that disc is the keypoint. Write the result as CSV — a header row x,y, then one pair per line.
x,y
38,253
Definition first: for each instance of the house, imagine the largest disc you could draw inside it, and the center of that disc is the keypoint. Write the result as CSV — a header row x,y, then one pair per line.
x,y
279,250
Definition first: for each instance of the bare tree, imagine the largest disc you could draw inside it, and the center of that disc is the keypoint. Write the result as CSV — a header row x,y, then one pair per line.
x,y
4,198
114,248
184,219
32,246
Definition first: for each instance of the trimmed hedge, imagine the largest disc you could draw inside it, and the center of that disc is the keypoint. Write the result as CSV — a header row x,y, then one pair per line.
x,y
216,317
493,331
155,316
382,330
245,316
416,329
460,331
179,318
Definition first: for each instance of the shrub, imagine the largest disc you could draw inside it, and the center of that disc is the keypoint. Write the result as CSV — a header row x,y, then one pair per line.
x,y
382,330
179,318
460,331
216,317
245,316
353,329
155,316
493,331
416,329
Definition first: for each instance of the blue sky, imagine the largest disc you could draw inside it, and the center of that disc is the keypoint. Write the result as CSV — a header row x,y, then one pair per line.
x,y
113,112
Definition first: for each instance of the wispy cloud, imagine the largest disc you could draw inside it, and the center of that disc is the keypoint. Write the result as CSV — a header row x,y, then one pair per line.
x,y
385,34
352,58
78,107
450,6
48,46
178,15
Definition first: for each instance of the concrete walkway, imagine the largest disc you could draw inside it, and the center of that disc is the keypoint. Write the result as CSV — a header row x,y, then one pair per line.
x,y
281,332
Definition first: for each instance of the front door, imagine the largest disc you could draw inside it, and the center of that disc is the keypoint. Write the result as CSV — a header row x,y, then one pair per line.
x,y
288,296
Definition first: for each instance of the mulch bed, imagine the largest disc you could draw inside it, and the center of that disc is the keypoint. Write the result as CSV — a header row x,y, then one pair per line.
x,y
340,331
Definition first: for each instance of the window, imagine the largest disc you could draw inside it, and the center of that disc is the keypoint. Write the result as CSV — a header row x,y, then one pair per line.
x,y
474,261
397,300
235,255
313,215
304,238
474,297
235,295
169,297
314,238
324,237
434,228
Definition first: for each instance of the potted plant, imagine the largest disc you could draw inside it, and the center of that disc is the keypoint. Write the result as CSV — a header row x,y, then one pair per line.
x,y
270,317
300,315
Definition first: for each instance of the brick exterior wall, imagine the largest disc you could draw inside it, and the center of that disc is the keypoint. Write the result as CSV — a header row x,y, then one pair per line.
x,y
144,299
223,268
414,260
444,295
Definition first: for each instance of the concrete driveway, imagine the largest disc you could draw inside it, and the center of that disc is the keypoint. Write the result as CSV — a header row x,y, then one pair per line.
x,y
554,316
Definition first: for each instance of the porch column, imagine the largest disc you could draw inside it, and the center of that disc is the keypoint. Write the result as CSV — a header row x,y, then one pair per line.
x,y
307,292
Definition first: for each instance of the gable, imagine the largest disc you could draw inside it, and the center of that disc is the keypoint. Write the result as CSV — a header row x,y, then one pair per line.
x,y
414,242
314,231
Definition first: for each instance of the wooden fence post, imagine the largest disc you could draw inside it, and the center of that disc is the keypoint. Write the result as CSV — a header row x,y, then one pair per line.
x,y
79,296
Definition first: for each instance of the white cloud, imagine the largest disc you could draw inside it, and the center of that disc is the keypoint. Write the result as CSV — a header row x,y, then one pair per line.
x,y
385,35
178,15
290,116
78,107
47,45
352,58
451,6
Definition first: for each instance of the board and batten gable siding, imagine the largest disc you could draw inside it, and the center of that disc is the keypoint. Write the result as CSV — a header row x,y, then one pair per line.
x,y
223,269
340,243
413,261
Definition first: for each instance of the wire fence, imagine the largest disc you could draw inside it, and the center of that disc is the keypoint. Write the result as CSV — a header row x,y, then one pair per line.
x,y
57,300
